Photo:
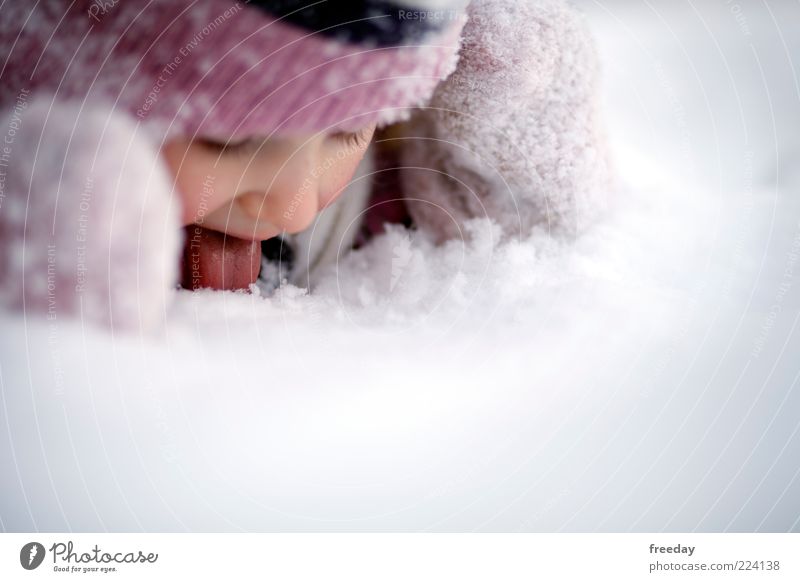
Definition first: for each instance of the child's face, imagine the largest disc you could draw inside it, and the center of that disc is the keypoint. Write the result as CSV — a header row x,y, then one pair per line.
x,y
259,188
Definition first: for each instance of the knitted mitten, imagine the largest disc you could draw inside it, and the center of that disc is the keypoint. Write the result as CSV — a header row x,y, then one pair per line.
x,y
87,225
514,132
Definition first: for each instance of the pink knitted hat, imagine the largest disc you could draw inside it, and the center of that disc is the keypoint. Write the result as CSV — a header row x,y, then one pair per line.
x,y
214,69
226,69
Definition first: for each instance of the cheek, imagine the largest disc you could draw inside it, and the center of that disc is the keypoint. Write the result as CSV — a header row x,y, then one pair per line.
x,y
197,196
337,179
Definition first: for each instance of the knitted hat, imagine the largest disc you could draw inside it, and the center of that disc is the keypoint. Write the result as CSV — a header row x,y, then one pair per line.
x,y
226,69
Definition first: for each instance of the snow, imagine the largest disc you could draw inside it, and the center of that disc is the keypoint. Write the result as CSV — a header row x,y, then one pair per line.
x,y
644,378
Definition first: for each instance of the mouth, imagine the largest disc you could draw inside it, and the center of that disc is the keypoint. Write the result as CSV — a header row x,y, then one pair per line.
x,y
215,260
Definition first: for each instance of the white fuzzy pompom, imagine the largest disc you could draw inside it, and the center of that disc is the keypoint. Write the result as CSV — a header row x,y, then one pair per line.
x,y
514,134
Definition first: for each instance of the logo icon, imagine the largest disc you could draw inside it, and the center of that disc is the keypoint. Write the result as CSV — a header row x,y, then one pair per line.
x,y
31,555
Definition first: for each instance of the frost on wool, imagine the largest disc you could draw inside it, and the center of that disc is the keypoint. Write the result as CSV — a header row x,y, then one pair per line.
x,y
88,229
514,133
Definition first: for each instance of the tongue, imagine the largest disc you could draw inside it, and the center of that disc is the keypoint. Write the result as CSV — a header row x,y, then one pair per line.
x,y
218,261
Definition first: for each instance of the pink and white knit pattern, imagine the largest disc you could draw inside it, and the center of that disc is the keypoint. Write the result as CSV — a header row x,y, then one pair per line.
x,y
89,222
215,68
88,225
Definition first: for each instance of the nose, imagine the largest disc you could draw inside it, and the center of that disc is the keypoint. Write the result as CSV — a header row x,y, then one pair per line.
x,y
289,197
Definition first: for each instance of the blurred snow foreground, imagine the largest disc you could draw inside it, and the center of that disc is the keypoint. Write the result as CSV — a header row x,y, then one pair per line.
x,y
643,377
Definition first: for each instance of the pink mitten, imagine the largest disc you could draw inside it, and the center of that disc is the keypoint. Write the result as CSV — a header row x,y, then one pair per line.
x,y
514,132
87,226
